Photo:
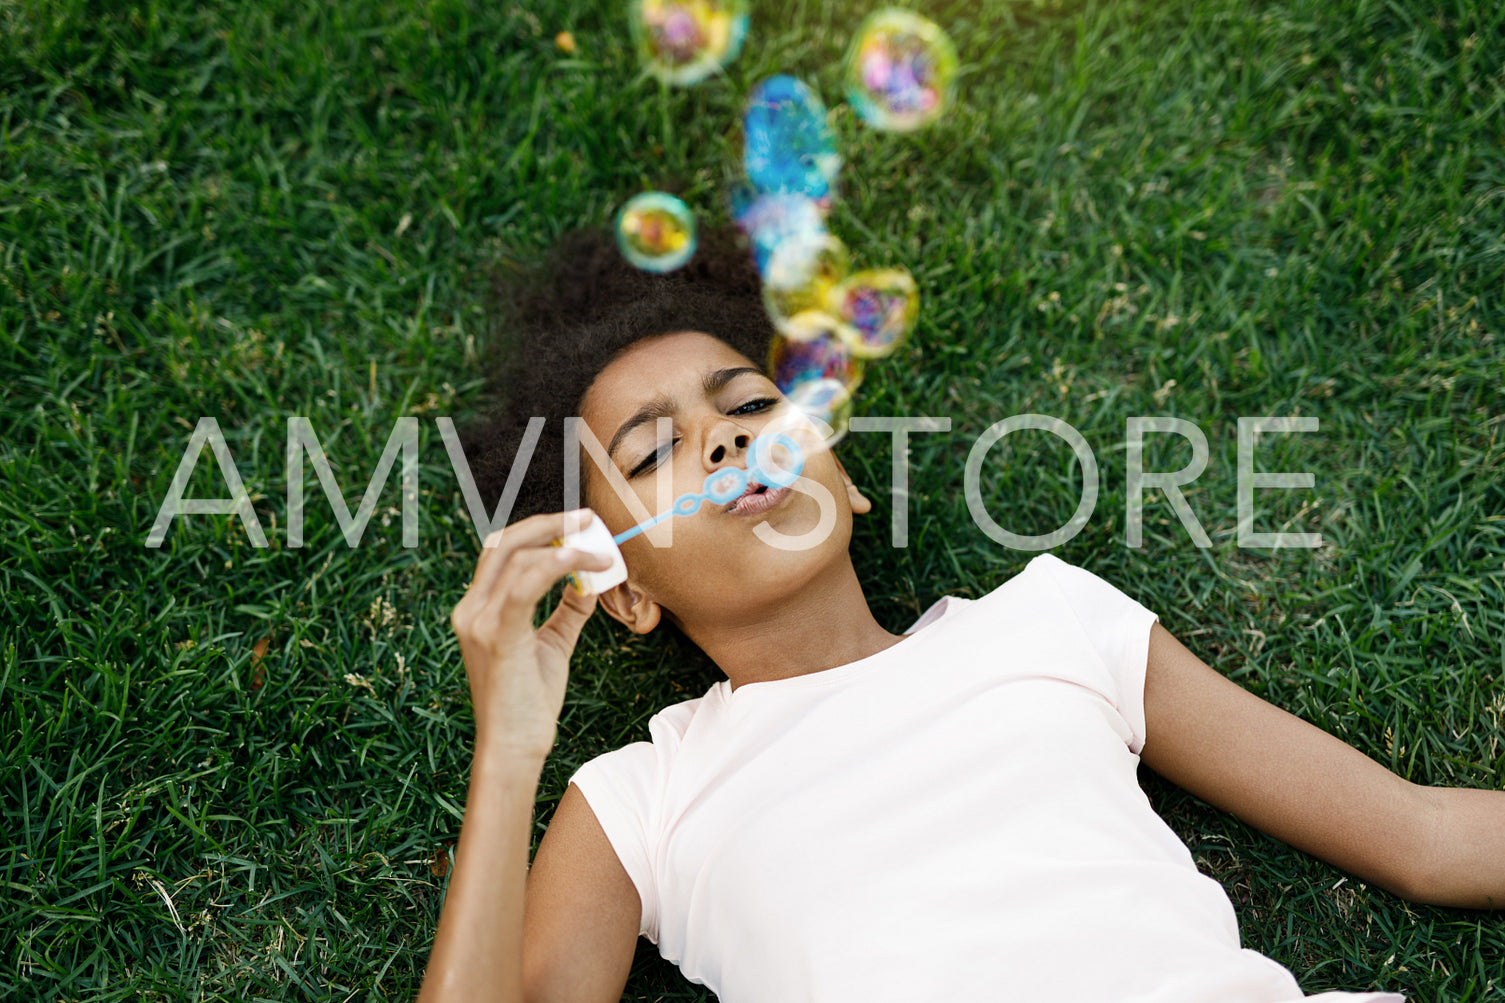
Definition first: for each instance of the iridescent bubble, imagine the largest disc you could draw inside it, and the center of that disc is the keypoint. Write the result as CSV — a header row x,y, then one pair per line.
x,y
826,402
900,71
811,325
741,200
685,41
815,417
788,145
878,308
825,356
771,219
802,273
656,232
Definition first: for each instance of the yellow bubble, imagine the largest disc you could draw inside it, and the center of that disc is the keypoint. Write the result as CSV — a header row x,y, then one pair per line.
x,y
802,273
811,325
900,71
656,232
685,41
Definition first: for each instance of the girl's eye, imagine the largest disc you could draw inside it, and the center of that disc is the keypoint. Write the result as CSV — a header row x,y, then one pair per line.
x,y
653,459
754,406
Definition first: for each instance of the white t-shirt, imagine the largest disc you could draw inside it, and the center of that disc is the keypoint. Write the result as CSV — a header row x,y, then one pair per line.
x,y
954,817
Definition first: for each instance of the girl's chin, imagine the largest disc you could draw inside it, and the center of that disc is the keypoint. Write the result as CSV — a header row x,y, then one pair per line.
x,y
742,559
743,577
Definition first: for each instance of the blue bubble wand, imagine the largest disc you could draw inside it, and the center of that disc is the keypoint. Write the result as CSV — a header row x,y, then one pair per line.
x,y
729,483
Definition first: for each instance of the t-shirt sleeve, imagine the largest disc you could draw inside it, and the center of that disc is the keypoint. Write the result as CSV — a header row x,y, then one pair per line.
x,y
1117,627
625,789
620,787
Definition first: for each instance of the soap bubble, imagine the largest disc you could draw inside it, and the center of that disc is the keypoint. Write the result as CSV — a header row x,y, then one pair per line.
x,y
788,145
773,218
825,356
815,417
685,41
656,232
901,71
877,308
811,325
826,402
803,272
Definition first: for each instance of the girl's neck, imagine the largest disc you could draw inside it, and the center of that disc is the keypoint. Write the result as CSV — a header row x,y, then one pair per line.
x,y
825,624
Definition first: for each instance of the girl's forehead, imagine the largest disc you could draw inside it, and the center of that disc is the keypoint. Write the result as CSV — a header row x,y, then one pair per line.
x,y
655,366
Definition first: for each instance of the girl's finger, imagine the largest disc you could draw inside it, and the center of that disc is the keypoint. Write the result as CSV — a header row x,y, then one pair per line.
x,y
530,574
562,629
534,531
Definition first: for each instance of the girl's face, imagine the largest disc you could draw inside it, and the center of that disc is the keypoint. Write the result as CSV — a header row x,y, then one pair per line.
x,y
719,568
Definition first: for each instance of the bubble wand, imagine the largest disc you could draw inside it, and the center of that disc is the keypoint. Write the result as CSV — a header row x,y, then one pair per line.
x,y
720,488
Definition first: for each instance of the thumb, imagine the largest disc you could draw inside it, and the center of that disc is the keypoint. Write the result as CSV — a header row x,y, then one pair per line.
x,y
562,629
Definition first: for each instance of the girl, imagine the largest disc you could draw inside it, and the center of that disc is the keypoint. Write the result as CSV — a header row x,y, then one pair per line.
x,y
851,814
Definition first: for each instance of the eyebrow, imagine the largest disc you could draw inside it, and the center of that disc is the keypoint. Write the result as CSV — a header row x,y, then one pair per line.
x,y
664,407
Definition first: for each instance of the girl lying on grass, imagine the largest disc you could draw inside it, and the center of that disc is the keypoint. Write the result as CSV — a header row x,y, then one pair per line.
x,y
949,813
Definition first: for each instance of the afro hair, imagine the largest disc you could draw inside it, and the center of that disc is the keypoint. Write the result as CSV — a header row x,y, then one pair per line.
x,y
560,323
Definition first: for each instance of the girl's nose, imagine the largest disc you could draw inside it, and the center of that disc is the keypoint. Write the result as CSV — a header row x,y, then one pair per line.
x,y
727,441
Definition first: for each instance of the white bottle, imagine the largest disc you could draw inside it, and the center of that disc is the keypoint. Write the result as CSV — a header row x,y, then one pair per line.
x,y
595,538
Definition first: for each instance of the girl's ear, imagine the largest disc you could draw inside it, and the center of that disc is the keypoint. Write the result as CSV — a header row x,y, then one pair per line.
x,y
859,501
630,605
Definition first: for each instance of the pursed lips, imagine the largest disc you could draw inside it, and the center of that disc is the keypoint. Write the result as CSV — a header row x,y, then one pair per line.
x,y
757,498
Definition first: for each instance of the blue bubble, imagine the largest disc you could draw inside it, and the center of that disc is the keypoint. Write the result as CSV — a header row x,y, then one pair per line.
x,y
788,145
773,218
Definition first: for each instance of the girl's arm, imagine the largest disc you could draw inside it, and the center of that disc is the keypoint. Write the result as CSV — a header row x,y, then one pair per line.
x,y
517,679
1301,785
478,952
1466,865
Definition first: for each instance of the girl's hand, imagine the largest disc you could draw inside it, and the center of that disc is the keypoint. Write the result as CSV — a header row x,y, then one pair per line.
x,y
517,675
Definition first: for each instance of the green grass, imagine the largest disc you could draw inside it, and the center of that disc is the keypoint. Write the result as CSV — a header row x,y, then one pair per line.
x,y
1204,210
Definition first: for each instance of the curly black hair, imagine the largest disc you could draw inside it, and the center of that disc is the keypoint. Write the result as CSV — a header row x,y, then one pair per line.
x,y
561,323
